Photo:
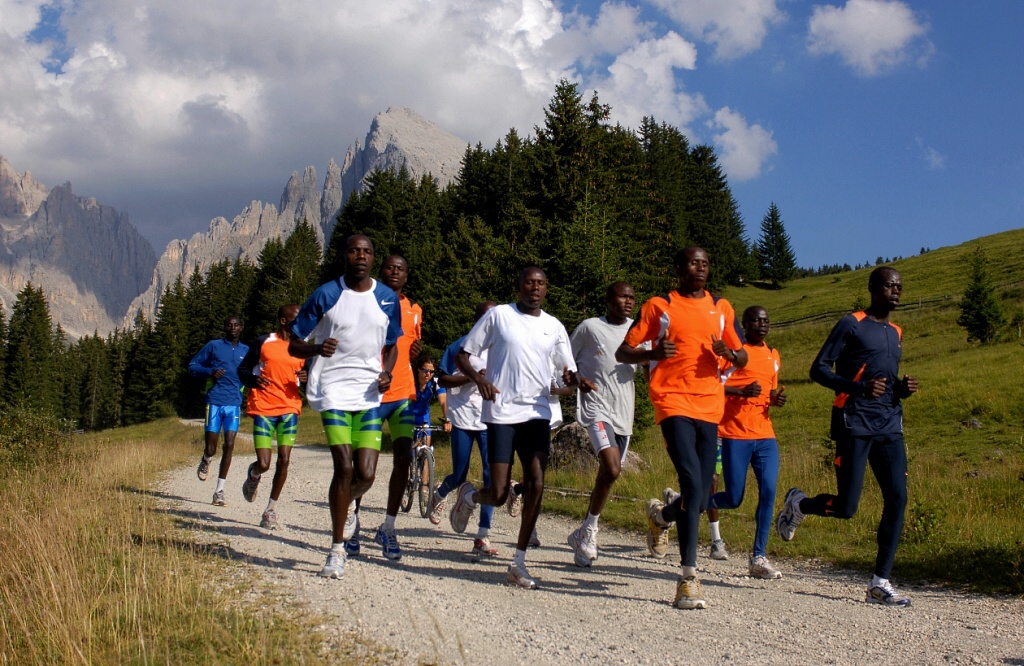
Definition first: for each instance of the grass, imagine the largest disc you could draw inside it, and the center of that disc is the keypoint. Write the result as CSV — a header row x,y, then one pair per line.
x,y
966,486
97,570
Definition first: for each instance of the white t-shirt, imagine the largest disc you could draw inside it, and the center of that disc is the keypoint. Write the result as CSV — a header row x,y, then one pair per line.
x,y
362,322
521,352
593,345
465,404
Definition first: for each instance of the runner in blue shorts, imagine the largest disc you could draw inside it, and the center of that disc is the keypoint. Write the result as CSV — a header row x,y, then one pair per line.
x,y
218,363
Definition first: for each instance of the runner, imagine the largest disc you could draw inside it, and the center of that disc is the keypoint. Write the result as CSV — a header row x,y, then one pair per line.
x,y
218,363
607,413
396,410
864,348
522,341
358,321
747,435
272,376
465,409
690,329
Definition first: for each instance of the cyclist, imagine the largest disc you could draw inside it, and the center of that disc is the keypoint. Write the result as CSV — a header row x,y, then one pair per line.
x,y
464,408
218,363
272,376
428,390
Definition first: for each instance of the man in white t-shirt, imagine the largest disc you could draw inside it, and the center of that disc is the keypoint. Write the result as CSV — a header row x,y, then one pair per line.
x,y
607,413
522,341
357,322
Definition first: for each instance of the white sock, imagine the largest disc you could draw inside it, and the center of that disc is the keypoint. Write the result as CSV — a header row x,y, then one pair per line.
x,y
207,458
591,520
482,533
519,558
715,533
389,523
877,582
689,572
271,504
220,485
338,548
471,497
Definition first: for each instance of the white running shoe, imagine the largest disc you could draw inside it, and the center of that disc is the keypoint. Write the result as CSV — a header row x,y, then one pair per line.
x,y
514,503
520,577
718,551
463,509
335,567
269,520
483,548
689,594
885,594
437,504
534,541
388,541
668,495
657,529
351,522
219,499
584,542
790,516
761,568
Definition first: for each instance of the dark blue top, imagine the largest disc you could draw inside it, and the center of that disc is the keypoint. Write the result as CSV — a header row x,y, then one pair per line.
x,y
861,348
220,355
447,365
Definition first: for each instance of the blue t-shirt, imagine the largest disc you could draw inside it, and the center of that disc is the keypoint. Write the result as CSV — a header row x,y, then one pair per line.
x,y
220,355
421,404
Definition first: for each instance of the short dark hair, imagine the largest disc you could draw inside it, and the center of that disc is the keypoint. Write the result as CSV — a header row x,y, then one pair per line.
x,y
610,292
680,258
877,277
529,269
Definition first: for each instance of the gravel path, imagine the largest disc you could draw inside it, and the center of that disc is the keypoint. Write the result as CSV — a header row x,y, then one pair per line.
x,y
437,605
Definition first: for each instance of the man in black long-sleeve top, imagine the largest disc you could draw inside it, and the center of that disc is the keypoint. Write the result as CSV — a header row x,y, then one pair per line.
x,y
860,361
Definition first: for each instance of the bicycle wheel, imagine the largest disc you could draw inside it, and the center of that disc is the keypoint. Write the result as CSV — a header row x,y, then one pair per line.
x,y
410,489
425,469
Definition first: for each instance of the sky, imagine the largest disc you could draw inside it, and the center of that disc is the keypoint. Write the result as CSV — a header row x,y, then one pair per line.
x,y
878,127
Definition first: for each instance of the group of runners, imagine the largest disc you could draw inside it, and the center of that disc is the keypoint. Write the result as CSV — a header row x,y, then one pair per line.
x,y
712,379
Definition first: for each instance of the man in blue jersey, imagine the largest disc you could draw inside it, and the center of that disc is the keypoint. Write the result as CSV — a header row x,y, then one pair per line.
x,y
351,325
860,361
218,363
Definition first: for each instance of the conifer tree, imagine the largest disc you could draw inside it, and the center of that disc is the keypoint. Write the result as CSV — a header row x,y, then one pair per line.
x,y
981,313
773,251
29,364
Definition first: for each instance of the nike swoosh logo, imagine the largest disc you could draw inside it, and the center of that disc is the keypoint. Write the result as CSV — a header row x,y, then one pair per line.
x,y
387,302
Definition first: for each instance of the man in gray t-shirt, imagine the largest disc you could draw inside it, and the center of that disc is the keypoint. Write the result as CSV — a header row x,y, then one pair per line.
x,y
606,413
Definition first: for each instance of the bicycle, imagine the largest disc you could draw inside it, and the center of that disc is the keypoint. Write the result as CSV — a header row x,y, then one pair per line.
x,y
421,470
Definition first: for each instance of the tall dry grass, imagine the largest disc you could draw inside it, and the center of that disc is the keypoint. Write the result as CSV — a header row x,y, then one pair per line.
x,y
97,571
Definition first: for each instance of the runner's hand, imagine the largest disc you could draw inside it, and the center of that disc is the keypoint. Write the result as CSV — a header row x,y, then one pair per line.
x,y
218,373
875,387
779,397
328,348
666,349
751,390
909,385
720,348
416,348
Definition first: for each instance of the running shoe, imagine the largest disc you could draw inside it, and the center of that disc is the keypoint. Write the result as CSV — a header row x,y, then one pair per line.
x,y
335,567
668,495
352,545
351,522
203,472
761,568
790,516
520,577
584,541
657,529
251,485
885,594
718,551
534,541
269,520
689,594
483,548
388,541
437,504
514,503
219,499
463,508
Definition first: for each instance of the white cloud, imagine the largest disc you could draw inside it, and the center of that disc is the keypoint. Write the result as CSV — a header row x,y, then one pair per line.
x,y
933,159
870,36
735,27
743,148
200,106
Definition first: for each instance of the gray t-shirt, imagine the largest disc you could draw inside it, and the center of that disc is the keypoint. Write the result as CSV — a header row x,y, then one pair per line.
x,y
593,346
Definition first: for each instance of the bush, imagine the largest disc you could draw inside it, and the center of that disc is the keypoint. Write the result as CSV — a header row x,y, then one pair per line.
x,y
27,436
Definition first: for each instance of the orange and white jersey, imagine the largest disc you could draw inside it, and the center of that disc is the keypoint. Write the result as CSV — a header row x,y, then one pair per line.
x,y
403,383
748,418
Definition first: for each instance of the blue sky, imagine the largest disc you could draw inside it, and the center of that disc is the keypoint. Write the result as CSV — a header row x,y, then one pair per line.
x,y
877,126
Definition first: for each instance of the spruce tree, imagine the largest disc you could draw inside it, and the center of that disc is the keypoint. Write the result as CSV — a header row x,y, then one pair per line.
x,y
773,252
29,366
981,313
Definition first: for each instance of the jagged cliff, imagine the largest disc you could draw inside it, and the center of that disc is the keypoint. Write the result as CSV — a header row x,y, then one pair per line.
x,y
88,258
